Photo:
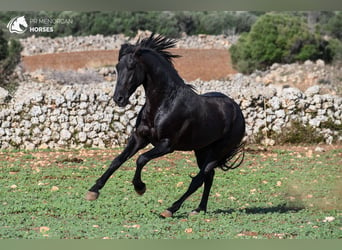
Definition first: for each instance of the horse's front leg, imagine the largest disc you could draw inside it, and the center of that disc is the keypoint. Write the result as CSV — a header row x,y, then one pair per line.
x,y
134,144
160,149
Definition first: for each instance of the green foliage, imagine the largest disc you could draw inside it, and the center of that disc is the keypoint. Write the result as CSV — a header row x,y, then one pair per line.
x,y
218,22
9,58
335,45
298,133
169,23
3,46
280,38
334,26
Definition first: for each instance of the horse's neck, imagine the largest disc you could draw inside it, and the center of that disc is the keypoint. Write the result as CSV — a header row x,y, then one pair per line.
x,y
159,93
162,84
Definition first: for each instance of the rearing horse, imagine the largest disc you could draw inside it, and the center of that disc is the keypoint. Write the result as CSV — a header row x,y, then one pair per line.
x,y
174,117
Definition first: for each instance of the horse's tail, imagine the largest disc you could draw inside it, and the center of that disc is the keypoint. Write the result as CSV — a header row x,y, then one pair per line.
x,y
234,159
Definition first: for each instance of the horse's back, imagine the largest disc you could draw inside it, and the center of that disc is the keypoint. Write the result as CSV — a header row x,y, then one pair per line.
x,y
214,94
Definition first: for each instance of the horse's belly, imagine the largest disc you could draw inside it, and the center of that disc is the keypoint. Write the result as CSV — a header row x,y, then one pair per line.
x,y
200,137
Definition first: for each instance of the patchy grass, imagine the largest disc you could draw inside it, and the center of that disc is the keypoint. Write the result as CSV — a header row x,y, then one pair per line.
x,y
280,193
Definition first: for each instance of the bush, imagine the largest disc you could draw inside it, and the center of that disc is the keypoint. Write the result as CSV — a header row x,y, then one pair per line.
x,y
298,133
9,58
277,38
223,22
334,26
335,46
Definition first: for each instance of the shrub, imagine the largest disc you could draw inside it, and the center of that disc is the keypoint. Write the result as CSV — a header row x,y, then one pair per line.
x,y
334,26
223,22
298,133
335,45
280,38
9,58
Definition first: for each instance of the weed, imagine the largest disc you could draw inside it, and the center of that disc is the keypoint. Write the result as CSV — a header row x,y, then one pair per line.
x,y
330,124
298,133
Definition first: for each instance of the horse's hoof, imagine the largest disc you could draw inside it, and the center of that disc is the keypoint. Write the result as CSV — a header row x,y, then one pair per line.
x,y
193,213
140,188
166,214
141,191
91,196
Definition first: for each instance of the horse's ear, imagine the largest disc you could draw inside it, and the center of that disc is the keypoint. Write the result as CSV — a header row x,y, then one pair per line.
x,y
125,49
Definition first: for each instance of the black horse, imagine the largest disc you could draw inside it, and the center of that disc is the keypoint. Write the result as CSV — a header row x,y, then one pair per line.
x,y
174,117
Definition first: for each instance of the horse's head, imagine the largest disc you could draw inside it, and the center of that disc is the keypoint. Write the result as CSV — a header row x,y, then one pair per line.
x,y
129,74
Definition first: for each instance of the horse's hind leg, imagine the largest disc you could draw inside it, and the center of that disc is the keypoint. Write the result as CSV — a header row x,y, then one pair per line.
x,y
196,182
208,182
202,157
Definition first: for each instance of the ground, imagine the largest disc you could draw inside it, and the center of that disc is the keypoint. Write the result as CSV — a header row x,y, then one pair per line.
x,y
205,64
291,192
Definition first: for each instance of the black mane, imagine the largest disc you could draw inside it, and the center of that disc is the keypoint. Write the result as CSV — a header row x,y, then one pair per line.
x,y
159,44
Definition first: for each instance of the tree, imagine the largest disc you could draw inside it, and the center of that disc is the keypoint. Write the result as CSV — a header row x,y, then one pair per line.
x,y
334,26
9,58
280,38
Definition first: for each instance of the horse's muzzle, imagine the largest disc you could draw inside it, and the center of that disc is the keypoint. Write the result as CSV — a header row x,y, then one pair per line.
x,y
120,101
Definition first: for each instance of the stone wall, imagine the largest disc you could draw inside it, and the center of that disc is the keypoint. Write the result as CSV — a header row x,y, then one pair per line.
x,y
79,115
45,45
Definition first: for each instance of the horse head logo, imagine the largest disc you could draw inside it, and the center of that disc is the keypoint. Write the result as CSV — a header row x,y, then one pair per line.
x,y
17,25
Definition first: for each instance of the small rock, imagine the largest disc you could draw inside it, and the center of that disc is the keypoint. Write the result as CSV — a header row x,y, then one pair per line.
x,y
3,95
313,90
329,219
320,62
319,149
65,135
82,137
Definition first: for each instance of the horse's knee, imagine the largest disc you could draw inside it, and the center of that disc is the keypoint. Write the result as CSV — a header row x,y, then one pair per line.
x,y
141,161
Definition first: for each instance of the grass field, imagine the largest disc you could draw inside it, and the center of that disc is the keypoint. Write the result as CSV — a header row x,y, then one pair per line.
x,y
293,193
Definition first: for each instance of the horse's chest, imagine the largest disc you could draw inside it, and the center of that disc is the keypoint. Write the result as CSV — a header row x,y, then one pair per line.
x,y
151,126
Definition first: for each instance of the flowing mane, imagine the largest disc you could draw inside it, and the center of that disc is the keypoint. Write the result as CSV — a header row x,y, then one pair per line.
x,y
159,44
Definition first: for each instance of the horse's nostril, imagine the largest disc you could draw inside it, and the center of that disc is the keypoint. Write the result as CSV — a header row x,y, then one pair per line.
x,y
119,100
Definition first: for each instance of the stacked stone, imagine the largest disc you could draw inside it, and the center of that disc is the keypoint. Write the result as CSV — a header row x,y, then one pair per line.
x,y
76,116
45,45
71,118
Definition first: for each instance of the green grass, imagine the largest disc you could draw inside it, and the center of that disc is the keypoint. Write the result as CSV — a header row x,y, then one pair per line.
x,y
275,194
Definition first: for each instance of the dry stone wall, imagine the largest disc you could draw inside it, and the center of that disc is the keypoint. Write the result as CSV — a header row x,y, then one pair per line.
x,y
76,116
53,110
45,45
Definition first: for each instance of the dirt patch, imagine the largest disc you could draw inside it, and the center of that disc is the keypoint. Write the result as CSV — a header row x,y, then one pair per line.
x,y
206,64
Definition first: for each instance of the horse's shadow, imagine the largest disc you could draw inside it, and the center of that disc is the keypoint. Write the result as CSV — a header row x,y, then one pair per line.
x,y
281,208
